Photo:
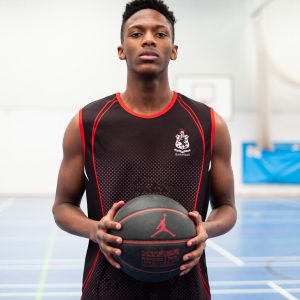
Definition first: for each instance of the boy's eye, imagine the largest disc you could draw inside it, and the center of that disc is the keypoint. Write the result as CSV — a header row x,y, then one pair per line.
x,y
161,34
135,34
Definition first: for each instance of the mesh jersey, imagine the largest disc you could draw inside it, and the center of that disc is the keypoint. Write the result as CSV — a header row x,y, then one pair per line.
x,y
128,155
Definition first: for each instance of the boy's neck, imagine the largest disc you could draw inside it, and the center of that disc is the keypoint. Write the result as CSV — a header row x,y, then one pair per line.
x,y
147,95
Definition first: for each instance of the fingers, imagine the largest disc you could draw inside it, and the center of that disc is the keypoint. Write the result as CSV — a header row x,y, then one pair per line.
x,y
196,217
104,237
192,258
108,252
107,222
195,253
186,268
201,237
107,241
116,206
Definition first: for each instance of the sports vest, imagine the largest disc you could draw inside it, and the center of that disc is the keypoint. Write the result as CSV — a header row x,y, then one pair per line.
x,y
128,155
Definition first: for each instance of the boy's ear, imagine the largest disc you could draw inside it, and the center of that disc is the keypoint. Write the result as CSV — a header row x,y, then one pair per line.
x,y
121,53
174,52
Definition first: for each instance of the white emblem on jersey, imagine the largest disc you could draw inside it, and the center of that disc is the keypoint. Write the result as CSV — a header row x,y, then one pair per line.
x,y
182,144
85,174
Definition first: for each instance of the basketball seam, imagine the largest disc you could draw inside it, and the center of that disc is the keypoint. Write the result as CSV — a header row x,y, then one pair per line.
x,y
144,271
160,242
152,209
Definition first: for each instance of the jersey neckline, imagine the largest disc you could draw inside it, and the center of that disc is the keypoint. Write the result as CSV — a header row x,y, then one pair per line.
x,y
158,114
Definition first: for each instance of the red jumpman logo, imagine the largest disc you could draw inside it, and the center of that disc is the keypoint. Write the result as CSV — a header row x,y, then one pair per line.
x,y
162,227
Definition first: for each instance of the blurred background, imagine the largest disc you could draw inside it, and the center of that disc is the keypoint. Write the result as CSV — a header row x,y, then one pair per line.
x,y
57,56
242,57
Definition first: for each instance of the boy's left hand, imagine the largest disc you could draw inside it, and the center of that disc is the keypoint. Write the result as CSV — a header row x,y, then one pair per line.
x,y
192,258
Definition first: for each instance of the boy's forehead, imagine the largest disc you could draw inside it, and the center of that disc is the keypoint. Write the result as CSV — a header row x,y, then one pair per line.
x,y
145,17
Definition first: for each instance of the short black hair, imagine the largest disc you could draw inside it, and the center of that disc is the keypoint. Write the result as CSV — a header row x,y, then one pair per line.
x,y
158,5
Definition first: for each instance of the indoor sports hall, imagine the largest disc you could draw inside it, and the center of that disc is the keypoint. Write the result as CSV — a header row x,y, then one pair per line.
x,y
239,57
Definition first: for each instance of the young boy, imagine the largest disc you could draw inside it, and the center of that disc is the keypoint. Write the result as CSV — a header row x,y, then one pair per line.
x,y
146,140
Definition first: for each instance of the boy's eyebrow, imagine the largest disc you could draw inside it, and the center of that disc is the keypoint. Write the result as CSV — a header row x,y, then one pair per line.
x,y
141,27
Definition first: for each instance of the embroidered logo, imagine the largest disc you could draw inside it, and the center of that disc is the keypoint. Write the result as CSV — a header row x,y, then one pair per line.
x,y
162,227
182,144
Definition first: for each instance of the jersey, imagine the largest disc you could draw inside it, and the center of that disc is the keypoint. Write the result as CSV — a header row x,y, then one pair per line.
x,y
128,154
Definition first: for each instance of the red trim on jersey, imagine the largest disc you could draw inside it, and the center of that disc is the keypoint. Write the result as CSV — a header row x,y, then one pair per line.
x,y
91,271
199,126
206,287
213,127
82,132
160,113
97,120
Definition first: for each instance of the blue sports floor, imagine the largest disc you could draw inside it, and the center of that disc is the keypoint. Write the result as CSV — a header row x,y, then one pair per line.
x,y
259,259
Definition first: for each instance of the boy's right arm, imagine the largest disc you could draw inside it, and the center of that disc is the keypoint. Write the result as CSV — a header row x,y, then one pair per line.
x,y
70,188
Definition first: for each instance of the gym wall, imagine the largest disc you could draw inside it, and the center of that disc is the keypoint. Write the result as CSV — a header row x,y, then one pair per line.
x,y
57,56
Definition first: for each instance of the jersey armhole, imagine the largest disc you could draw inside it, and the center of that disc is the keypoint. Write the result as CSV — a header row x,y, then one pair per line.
x,y
212,133
82,132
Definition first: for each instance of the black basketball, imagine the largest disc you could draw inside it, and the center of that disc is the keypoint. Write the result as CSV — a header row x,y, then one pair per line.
x,y
155,230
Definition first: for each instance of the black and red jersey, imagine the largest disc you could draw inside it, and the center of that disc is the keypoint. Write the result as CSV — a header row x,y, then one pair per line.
x,y
128,155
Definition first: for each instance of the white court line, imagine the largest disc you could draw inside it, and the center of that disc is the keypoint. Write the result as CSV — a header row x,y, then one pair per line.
x,y
46,264
68,266
18,239
45,294
213,292
36,285
40,267
293,204
7,203
212,284
21,222
291,264
252,282
39,261
225,253
251,291
221,260
277,258
257,258
281,291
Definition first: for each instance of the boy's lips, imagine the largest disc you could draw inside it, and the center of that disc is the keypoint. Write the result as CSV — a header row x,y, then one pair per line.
x,y
148,55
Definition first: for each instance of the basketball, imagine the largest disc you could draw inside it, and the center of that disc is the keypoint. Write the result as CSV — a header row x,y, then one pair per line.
x,y
155,230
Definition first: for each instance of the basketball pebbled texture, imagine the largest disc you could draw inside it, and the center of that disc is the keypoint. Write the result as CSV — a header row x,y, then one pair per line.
x,y
155,230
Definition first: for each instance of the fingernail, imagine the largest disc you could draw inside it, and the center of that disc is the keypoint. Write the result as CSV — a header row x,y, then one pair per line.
x,y
189,244
118,252
119,241
118,226
185,258
118,266
182,268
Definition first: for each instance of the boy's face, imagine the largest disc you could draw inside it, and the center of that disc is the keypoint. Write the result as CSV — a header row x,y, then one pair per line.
x,y
147,45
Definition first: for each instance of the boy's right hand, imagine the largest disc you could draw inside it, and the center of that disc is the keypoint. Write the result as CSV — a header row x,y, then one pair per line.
x,y
105,239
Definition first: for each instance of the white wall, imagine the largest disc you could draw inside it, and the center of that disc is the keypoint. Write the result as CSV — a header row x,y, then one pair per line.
x,y
57,55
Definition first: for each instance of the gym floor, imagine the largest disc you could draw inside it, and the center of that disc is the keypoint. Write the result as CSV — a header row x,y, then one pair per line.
x,y
259,259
